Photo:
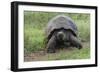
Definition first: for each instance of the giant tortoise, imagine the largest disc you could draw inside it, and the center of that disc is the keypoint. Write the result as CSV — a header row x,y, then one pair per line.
x,y
61,31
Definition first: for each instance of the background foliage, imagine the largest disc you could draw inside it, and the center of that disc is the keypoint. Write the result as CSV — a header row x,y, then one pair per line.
x,y
34,35
35,23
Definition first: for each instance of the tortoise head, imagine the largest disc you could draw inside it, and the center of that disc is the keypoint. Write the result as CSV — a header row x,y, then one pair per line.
x,y
63,35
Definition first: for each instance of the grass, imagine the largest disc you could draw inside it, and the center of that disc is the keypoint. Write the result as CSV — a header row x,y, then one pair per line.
x,y
34,39
73,54
61,54
84,29
34,34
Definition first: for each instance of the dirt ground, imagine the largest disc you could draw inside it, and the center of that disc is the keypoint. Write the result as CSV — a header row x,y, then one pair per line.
x,y
43,56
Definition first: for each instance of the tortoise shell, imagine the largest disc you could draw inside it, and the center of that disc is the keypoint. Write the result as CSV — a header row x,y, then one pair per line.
x,y
60,22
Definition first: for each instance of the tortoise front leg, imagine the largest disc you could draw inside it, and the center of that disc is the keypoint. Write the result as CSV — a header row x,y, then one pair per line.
x,y
51,46
75,42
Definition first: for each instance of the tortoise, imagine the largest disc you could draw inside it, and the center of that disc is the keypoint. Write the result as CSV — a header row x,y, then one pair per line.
x,y
61,31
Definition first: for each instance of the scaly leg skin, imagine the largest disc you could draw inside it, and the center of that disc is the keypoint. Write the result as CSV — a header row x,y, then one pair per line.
x,y
51,46
75,42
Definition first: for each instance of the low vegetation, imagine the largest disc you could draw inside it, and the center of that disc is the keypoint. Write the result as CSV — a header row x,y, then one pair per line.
x,y
34,33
